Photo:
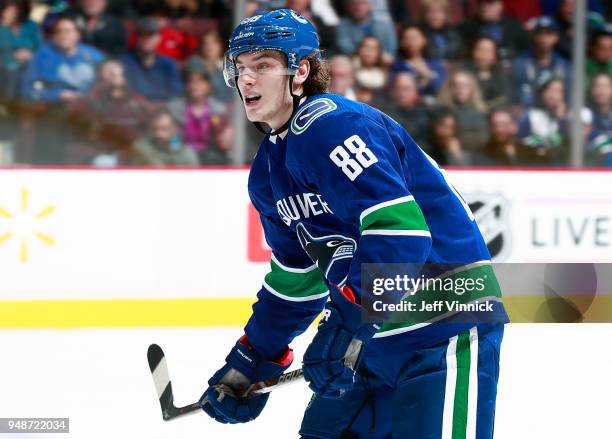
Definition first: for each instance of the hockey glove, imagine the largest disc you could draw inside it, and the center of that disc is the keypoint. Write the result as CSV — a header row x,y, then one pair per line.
x,y
336,351
226,400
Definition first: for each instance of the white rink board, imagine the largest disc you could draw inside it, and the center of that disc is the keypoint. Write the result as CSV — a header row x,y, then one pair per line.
x,y
555,383
184,233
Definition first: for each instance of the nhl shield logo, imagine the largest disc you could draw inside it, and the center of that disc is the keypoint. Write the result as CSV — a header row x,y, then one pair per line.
x,y
491,213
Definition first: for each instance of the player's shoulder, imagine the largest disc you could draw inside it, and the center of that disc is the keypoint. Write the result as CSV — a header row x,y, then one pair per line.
x,y
320,123
324,121
322,111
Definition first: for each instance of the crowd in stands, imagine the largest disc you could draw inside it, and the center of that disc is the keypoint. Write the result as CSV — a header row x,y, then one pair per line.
x,y
140,82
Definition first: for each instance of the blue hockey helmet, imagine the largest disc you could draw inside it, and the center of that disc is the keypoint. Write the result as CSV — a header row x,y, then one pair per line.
x,y
283,30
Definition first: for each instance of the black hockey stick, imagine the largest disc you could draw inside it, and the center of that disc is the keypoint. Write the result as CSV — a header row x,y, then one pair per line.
x,y
161,378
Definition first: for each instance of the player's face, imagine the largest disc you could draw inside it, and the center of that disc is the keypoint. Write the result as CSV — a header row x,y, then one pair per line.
x,y
263,82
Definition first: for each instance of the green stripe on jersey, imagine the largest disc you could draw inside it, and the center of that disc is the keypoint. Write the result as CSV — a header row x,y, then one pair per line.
x,y
460,412
483,281
406,215
295,285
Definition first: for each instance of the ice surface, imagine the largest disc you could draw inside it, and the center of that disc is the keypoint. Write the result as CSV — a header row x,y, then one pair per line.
x,y
555,382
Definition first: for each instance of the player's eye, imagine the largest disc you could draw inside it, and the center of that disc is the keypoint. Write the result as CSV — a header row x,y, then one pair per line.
x,y
263,67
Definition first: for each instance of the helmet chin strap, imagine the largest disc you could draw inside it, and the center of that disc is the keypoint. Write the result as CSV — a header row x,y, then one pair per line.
x,y
296,103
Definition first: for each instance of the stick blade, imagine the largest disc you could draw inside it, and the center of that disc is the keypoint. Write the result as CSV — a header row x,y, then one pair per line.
x,y
163,385
155,355
161,379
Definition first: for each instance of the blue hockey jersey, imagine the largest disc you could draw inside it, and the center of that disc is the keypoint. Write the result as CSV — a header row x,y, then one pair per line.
x,y
347,186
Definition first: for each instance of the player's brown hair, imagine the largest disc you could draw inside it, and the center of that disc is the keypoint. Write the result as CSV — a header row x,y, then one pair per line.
x,y
318,79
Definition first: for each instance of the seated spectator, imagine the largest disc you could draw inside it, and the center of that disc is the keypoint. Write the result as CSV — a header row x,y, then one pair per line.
x,y
63,70
541,62
115,114
600,100
154,76
173,42
443,40
98,28
565,21
430,73
492,77
444,144
522,10
367,96
19,39
600,52
370,70
176,9
405,107
163,145
502,148
210,59
360,23
200,117
463,97
541,127
342,77
491,22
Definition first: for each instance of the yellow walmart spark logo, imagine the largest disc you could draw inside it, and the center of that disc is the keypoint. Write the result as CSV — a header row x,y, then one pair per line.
x,y
24,225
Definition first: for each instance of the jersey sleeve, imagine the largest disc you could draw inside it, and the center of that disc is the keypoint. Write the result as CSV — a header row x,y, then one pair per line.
x,y
293,293
355,162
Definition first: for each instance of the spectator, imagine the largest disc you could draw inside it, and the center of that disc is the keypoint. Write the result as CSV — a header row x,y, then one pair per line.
x,y
210,59
540,127
565,19
19,39
163,146
200,118
98,28
600,99
444,41
463,97
173,42
116,114
502,148
360,23
405,107
342,77
154,76
430,73
370,70
490,21
177,9
492,77
522,10
540,63
444,143
63,70
600,52
367,96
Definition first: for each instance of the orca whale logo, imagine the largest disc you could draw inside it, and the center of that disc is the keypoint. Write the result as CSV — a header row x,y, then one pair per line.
x,y
325,250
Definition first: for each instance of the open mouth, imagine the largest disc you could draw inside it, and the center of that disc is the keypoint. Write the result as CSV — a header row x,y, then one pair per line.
x,y
252,98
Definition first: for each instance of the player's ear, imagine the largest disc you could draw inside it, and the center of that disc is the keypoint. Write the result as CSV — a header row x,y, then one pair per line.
x,y
302,73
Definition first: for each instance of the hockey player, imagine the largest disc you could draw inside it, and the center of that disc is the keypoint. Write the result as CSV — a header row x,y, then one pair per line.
x,y
343,191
